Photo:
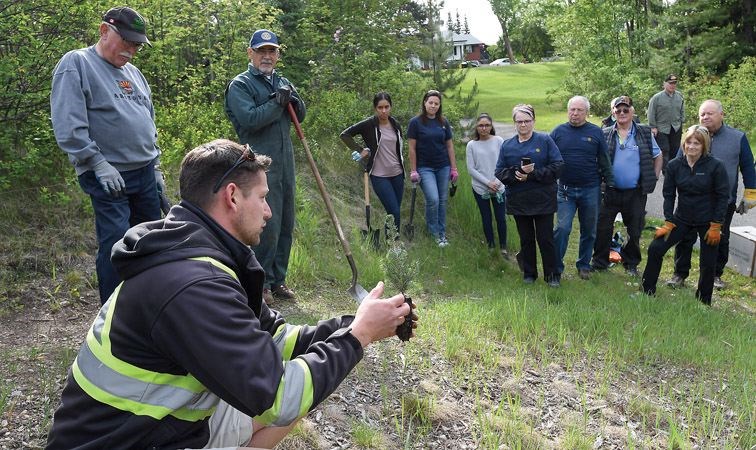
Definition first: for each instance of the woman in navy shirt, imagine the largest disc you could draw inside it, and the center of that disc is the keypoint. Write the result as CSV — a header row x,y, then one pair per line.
x,y
529,165
432,162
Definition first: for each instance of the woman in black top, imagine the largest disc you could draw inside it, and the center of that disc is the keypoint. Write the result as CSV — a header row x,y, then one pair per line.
x,y
381,153
700,184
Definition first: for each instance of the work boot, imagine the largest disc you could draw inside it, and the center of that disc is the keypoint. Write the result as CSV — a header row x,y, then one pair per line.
x,y
718,283
676,281
283,292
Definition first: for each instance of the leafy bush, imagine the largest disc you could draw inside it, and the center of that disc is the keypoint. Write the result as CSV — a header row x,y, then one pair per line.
x,y
736,89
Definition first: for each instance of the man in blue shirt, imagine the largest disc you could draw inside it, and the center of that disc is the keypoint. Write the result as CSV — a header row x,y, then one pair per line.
x,y
636,167
586,161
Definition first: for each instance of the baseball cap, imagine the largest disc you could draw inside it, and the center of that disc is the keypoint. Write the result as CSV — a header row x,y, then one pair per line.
x,y
622,100
264,37
671,78
130,25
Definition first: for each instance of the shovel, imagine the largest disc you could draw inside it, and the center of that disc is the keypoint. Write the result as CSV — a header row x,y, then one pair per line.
x,y
409,229
355,290
373,236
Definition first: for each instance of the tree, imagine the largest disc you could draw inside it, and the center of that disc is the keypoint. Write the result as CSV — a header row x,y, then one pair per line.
x,y
506,13
466,27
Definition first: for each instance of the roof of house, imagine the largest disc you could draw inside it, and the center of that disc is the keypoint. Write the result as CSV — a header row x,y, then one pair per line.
x,y
465,39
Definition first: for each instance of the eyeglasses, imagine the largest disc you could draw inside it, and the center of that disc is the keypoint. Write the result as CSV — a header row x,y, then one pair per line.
x,y
523,122
266,51
137,45
621,110
247,155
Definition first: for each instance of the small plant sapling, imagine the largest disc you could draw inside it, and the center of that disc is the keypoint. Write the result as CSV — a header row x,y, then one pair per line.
x,y
400,271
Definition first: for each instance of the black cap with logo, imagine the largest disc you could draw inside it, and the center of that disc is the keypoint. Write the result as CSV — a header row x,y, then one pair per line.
x,y
130,25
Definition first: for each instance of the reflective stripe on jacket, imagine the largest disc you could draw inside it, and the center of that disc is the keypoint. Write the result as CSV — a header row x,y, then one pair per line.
x,y
139,391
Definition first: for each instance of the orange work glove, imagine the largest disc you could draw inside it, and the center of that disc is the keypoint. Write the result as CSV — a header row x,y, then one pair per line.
x,y
664,230
714,234
749,198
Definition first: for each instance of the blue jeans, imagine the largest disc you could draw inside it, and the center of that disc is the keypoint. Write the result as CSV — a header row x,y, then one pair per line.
x,y
584,200
114,216
500,212
435,186
390,191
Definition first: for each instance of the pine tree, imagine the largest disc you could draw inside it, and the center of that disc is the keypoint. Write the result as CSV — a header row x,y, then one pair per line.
x,y
400,271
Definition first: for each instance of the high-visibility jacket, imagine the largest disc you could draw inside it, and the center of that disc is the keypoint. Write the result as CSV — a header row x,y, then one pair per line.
x,y
185,328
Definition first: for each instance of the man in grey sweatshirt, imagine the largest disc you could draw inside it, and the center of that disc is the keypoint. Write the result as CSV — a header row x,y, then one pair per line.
x,y
103,118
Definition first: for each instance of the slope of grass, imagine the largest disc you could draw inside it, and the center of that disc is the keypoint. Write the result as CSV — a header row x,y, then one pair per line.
x,y
539,84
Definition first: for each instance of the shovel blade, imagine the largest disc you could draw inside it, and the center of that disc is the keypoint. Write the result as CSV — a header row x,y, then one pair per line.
x,y
357,292
409,231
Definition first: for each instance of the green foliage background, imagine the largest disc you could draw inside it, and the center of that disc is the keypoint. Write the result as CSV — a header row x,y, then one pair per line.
x,y
339,53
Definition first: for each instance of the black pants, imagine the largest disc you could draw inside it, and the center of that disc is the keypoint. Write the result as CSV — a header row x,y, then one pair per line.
x,y
537,228
684,249
669,143
632,204
708,260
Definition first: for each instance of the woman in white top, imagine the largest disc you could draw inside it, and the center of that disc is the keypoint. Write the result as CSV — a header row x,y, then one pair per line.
x,y
482,154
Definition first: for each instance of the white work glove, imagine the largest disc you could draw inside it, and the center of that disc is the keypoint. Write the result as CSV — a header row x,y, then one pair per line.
x,y
110,179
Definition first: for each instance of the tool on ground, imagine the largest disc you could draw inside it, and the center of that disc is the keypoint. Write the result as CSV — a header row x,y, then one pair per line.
x,y
355,290
371,235
409,229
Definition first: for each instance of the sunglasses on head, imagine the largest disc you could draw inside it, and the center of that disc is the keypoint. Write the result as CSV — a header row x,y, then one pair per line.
x,y
247,155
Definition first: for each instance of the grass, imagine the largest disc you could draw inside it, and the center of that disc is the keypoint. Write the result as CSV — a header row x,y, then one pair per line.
x,y
539,84
688,370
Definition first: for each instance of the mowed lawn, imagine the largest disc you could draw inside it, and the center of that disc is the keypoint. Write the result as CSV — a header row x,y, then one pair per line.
x,y
539,84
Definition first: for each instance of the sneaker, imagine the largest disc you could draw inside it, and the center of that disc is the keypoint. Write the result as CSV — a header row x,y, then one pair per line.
x,y
632,271
584,274
718,283
554,283
283,292
528,280
442,242
268,296
676,281
504,254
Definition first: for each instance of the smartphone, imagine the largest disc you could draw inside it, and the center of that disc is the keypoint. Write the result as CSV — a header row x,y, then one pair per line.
x,y
525,161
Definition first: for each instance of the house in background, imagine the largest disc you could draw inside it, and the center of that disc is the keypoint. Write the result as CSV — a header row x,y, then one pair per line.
x,y
466,47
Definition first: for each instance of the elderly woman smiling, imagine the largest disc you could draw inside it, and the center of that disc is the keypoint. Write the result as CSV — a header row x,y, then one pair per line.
x,y
699,183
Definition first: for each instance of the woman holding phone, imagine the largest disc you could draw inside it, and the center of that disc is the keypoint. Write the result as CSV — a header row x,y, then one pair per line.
x,y
529,164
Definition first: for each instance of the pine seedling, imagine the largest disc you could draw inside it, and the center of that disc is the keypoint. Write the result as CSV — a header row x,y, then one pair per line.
x,y
400,270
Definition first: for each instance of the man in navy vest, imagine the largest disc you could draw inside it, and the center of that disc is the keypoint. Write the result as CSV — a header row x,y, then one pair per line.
x,y
636,166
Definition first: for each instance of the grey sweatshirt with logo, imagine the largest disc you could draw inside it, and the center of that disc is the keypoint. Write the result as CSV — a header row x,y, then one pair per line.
x,y
100,111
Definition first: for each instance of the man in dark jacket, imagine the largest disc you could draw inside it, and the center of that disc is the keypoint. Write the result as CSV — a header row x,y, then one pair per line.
x,y
257,105
185,354
636,167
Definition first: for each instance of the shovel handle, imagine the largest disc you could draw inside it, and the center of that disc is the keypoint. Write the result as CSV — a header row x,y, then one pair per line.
x,y
323,192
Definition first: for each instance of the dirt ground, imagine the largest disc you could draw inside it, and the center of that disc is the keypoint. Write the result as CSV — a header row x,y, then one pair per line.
x,y
406,394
